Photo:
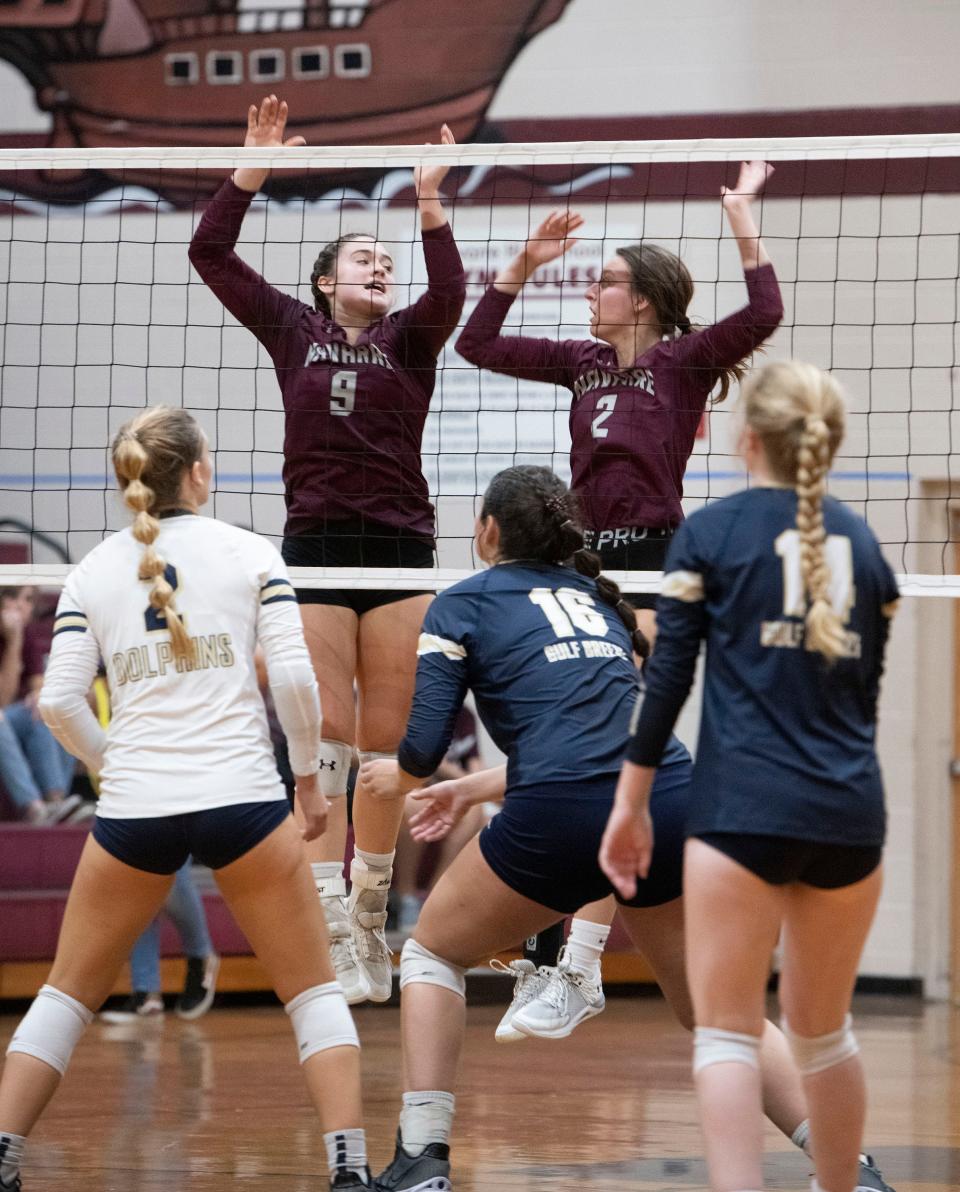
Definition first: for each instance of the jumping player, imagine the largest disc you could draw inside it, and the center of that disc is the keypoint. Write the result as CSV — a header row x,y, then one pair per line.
x,y
175,606
356,382
794,599
641,385
547,651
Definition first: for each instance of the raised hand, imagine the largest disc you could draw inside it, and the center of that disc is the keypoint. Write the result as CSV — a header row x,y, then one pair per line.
x,y
427,179
267,124
551,239
750,182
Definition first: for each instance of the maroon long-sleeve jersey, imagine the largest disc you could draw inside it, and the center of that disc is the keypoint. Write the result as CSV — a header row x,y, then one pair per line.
x,y
354,414
632,429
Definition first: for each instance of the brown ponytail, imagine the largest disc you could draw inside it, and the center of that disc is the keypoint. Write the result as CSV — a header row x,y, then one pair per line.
x,y
150,455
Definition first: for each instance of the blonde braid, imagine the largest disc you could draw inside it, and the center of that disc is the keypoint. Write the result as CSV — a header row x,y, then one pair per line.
x,y
129,461
824,628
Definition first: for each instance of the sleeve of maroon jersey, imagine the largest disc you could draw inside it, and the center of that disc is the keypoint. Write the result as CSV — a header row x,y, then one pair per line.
x,y
433,317
726,343
555,362
252,301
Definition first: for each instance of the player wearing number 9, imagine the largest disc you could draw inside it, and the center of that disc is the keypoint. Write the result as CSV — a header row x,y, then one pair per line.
x,y
793,597
639,393
356,380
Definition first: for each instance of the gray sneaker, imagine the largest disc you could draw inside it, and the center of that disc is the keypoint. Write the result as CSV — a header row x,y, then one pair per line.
x,y
368,912
343,951
528,984
869,1178
566,999
426,1172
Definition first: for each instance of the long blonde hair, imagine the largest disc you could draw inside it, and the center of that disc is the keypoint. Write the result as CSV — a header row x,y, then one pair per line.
x,y
150,455
797,412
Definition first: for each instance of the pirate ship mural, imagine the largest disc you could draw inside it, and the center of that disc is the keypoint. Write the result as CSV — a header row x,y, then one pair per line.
x,y
159,73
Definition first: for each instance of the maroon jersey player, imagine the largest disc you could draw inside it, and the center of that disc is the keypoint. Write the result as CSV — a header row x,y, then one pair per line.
x,y
356,380
641,385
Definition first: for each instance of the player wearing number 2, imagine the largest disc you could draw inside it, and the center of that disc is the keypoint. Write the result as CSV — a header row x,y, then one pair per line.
x,y
356,381
175,606
786,822
638,393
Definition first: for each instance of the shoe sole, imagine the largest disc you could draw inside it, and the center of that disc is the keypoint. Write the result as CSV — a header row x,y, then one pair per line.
x,y
562,1032
380,995
436,1183
508,1034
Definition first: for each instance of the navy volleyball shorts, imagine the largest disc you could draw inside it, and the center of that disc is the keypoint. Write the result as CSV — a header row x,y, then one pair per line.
x,y
215,837
545,845
358,544
782,859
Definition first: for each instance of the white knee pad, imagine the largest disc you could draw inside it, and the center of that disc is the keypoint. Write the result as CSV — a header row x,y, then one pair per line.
x,y
713,1046
336,758
826,1051
51,1028
371,755
321,1019
420,967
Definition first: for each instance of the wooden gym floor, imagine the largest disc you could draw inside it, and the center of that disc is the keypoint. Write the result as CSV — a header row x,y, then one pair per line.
x,y
219,1104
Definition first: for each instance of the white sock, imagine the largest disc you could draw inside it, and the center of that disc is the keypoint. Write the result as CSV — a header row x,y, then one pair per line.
x,y
11,1156
346,1151
374,862
426,1117
585,945
801,1136
328,878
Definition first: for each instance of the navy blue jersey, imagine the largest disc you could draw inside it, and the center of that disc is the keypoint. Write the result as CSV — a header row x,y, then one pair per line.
x,y
787,739
551,669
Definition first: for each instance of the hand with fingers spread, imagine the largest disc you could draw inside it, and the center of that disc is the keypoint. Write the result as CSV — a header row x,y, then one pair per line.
x,y
750,182
552,238
443,806
266,126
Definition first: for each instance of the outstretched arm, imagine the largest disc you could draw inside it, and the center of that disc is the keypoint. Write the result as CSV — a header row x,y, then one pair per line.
x,y
427,179
738,207
552,239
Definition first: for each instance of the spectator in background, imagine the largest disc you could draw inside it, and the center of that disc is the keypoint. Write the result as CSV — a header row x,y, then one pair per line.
x,y
185,908
34,768
462,758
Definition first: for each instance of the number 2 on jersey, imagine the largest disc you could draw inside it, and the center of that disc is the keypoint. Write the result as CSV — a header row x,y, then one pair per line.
x,y
567,608
839,556
154,619
343,393
606,405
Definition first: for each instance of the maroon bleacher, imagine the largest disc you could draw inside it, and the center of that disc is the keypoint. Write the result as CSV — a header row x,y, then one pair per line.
x,y
36,869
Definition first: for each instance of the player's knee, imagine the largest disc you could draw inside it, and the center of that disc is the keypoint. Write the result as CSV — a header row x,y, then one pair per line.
x,y
420,967
51,1028
714,1046
814,1055
321,1019
336,758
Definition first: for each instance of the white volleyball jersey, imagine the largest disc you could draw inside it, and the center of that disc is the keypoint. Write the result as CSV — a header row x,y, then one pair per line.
x,y
182,737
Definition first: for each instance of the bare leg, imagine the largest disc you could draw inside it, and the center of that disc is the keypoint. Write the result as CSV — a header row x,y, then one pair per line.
x,y
109,906
385,675
275,904
733,920
824,934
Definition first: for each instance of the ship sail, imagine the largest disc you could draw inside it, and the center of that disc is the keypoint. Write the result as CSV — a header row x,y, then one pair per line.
x,y
125,30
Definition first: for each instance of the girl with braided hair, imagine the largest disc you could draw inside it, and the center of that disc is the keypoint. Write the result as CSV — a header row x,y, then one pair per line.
x,y
357,378
175,607
794,599
641,385
547,646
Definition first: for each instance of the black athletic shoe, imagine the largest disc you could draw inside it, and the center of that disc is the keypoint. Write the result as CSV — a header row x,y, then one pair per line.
x,y
200,986
869,1178
350,1181
429,1172
14,1187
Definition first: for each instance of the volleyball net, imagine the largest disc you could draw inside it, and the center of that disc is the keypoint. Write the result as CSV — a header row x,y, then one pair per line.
x,y
102,315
